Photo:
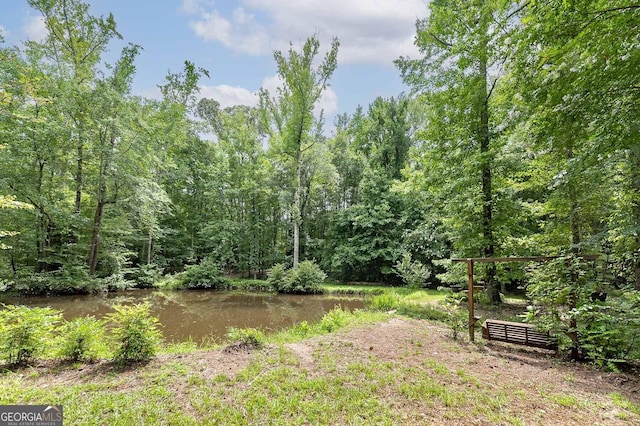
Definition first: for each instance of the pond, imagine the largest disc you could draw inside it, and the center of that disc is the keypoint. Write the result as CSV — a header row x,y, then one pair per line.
x,y
202,314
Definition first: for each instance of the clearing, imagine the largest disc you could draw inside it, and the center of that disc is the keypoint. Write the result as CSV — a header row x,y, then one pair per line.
x,y
399,371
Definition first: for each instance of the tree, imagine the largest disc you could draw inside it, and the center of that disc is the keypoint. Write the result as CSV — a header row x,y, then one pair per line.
x,y
576,69
290,111
75,43
457,77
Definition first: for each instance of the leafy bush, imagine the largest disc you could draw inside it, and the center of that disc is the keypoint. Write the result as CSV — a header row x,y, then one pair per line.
x,y
277,276
385,302
302,329
146,276
81,339
207,274
413,273
562,293
251,337
306,278
136,333
25,331
456,318
335,319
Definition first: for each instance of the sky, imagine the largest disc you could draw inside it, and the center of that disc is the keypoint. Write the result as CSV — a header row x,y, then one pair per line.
x,y
235,40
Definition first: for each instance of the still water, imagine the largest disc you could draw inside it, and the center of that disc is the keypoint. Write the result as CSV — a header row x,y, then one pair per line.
x,y
201,314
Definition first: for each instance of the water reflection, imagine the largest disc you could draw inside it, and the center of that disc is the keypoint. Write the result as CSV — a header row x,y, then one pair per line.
x,y
201,314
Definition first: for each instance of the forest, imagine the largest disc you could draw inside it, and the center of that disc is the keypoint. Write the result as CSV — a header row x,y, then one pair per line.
x,y
519,136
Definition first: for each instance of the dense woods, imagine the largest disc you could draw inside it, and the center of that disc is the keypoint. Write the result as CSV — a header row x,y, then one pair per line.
x,y
520,136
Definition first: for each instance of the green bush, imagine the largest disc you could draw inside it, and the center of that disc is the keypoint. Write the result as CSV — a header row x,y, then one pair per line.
x,y
26,332
277,276
425,312
301,329
207,274
81,339
413,273
335,319
562,295
146,276
136,333
384,302
252,337
306,278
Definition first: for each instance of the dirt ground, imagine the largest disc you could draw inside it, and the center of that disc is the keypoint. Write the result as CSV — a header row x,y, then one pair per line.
x,y
538,386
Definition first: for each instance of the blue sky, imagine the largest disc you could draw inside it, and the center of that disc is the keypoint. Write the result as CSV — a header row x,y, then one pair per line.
x,y
235,41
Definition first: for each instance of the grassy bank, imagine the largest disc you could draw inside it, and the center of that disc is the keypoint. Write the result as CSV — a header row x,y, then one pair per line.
x,y
360,368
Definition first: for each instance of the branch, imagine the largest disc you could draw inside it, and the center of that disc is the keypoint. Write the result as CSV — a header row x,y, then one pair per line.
x,y
617,9
442,42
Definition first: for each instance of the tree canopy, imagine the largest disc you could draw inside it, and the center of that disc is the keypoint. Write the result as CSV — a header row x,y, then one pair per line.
x,y
518,135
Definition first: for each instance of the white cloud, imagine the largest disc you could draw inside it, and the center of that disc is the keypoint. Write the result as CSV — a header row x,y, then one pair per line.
x,y
229,95
328,103
4,32
35,28
370,31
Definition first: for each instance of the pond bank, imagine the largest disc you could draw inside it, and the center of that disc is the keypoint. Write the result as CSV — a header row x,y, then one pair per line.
x,y
396,371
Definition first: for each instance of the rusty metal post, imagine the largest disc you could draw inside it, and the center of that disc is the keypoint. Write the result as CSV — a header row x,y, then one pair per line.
x,y
472,317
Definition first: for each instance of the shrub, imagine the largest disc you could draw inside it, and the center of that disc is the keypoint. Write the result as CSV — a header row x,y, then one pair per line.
x,y
385,302
301,329
25,332
146,276
335,319
277,276
563,301
207,274
413,273
306,278
81,339
251,337
136,333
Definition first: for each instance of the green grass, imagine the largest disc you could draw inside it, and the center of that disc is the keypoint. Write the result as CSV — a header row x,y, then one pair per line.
x,y
343,386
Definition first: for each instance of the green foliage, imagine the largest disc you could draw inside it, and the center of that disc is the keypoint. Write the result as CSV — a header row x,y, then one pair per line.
x,y
82,339
206,274
277,276
251,337
26,332
424,312
146,276
301,329
413,273
306,278
456,317
384,302
335,319
136,333
563,294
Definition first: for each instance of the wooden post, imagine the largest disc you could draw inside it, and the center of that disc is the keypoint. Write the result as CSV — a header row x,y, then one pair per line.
x,y
472,318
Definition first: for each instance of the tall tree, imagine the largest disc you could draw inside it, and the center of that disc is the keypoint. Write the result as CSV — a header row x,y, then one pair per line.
x,y
576,68
75,42
290,111
462,57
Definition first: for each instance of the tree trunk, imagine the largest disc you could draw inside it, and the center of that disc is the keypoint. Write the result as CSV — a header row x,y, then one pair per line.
x,y
493,286
95,237
296,210
574,217
79,176
634,166
149,244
